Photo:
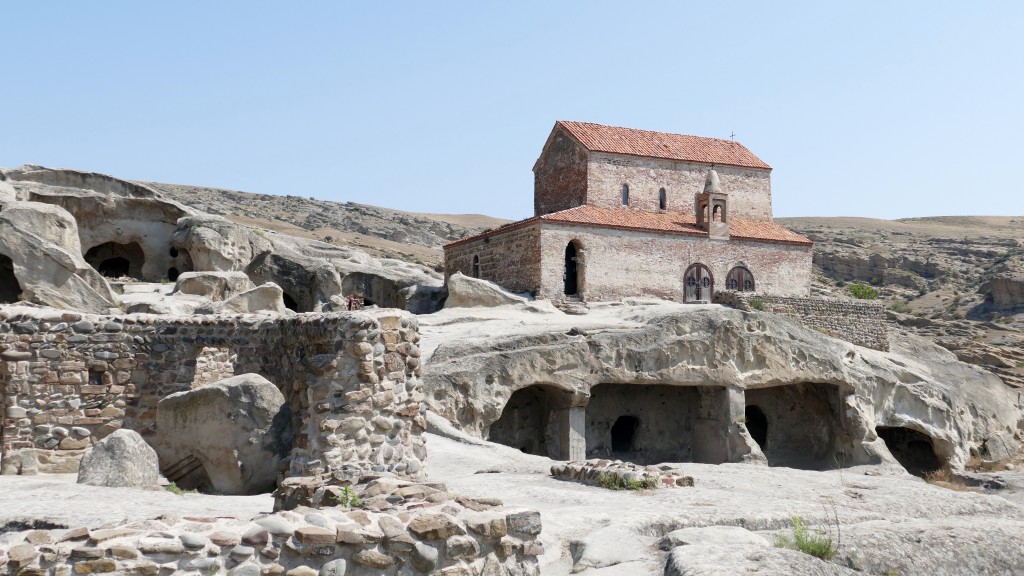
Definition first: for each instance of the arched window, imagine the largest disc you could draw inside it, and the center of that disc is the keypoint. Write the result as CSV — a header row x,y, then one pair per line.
x,y
716,216
625,194
740,279
662,199
476,266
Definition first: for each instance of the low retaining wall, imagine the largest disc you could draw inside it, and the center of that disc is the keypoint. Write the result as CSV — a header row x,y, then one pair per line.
x,y
351,381
402,527
619,475
859,322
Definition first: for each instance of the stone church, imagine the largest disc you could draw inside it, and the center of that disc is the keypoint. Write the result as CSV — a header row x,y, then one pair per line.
x,y
620,212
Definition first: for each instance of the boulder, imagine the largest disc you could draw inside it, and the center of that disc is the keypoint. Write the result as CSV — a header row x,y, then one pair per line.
x,y
230,436
39,242
122,459
466,292
1005,291
214,286
727,535
215,243
1000,449
262,299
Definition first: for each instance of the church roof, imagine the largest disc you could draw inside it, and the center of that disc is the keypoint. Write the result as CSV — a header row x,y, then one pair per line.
x,y
600,138
627,219
667,222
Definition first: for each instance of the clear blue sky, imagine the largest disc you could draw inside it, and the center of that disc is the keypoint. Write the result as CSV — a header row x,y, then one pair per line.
x,y
885,110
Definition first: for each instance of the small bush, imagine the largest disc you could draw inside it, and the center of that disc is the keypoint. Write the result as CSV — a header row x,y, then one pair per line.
x,y
174,489
347,497
816,544
757,304
900,307
616,482
862,291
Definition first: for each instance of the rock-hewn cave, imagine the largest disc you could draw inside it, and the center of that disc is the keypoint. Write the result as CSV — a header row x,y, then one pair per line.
x,y
912,449
795,425
10,289
527,422
115,260
650,424
373,289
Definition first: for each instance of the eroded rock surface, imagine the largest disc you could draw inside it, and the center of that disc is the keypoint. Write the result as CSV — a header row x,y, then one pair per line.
x,y
229,436
121,460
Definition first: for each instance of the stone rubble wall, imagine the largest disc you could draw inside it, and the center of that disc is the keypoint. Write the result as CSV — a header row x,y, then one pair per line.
x,y
595,472
396,527
859,322
352,382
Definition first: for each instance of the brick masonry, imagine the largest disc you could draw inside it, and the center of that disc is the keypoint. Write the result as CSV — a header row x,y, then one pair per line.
x,y
858,322
511,259
351,380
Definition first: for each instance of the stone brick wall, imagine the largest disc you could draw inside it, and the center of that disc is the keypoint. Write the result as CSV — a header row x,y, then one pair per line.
x,y
351,379
560,175
615,264
509,258
749,189
859,322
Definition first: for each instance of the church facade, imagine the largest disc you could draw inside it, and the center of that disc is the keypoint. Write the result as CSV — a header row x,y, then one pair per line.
x,y
620,212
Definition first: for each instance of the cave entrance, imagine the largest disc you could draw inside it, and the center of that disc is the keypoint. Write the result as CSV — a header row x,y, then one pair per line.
x,y
10,289
757,425
804,421
290,302
528,421
115,260
912,449
651,424
374,290
622,433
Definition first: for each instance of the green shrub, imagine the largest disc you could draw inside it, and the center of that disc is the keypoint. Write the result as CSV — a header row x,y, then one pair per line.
x,y
816,544
900,307
757,303
862,291
347,497
174,489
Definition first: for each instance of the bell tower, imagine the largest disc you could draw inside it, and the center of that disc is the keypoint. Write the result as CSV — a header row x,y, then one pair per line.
x,y
712,208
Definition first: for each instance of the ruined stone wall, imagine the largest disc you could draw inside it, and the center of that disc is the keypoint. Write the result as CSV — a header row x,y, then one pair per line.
x,y
749,189
560,175
615,264
859,322
351,380
510,259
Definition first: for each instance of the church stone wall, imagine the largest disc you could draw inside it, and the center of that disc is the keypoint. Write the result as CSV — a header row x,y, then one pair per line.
x,y
749,189
615,264
510,258
560,175
351,380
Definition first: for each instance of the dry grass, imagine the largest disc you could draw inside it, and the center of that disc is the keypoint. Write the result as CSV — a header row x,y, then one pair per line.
x,y
945,478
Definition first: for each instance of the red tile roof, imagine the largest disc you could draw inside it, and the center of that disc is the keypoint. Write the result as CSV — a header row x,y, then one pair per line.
x,y
600,138
668,222
627,219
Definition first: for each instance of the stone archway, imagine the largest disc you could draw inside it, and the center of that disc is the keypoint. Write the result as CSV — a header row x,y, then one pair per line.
x,y
114,260
10,289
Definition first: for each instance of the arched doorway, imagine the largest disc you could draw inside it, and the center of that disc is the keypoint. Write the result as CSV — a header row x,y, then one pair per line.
x,y
570,273
622,433
740,279
699,284
757,425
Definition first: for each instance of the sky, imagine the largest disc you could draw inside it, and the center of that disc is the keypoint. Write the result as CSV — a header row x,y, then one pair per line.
x,y
875,109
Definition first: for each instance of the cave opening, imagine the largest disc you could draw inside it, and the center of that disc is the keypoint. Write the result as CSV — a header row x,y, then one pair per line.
x,y
623,431
528,422
114,260
912,449
290,302
805,424
757,425
10,289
